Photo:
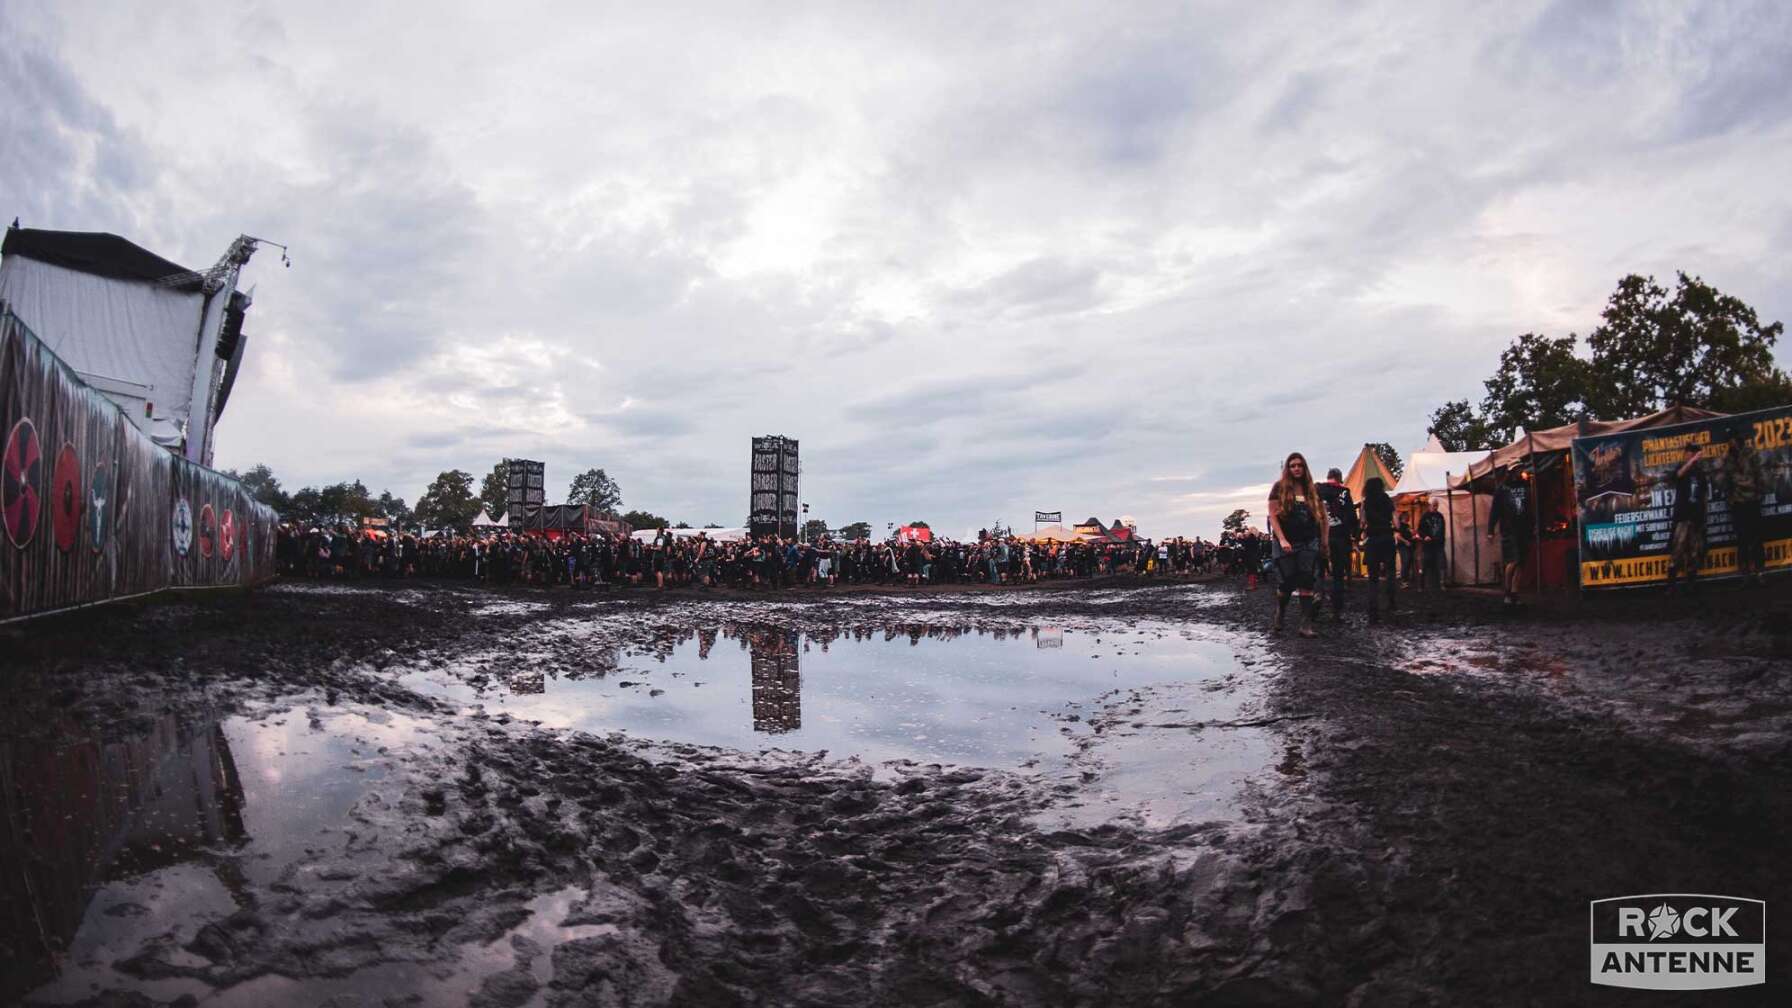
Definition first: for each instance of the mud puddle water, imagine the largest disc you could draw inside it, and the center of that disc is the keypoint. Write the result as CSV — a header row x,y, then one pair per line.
x,y
996,699
112,843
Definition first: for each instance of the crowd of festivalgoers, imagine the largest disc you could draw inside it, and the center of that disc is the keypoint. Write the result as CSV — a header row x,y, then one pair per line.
x,y
668,560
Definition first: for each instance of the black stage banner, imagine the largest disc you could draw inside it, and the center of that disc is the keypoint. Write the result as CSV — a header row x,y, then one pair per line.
x,y
1624,484
92,509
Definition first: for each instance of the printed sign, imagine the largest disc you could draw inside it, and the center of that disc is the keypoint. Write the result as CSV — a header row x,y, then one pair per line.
x,y
1625,487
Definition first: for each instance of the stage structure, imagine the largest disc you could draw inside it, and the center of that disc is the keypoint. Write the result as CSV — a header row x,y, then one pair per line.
x,y
777,681
525,491
161,341
774,503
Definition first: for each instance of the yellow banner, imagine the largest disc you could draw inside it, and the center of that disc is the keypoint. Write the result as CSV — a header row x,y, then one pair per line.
x,y
1719,560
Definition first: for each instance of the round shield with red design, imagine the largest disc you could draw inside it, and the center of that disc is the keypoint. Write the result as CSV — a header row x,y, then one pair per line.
x,y
227,533
21,494
66,500
208,530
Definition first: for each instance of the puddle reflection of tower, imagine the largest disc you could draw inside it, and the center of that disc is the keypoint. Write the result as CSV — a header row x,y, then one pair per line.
x,y
777,682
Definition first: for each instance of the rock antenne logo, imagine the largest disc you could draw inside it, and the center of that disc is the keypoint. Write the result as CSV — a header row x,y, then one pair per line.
x,y
1678,941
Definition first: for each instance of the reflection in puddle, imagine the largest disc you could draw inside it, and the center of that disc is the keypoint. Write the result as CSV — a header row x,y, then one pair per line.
x,y
993,697
81,811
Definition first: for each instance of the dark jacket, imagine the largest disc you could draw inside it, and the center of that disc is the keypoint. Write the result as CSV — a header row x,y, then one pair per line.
x,y
1340,510
1431,528
1378,514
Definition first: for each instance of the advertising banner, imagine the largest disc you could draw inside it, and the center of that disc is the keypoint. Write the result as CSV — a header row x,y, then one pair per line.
x,y
93,509
1625,486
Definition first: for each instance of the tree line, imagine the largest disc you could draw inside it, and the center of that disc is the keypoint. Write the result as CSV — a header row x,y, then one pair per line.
x,y
1693,346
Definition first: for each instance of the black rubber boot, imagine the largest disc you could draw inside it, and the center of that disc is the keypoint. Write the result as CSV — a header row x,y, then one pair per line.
x,y
1281,613
1308,604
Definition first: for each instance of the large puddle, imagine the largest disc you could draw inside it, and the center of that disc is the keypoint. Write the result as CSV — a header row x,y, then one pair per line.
x,y
115,845
943,694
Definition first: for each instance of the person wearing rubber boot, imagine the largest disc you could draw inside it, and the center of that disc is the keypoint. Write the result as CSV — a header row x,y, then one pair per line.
x,y
1378,544
1297,520
1341,532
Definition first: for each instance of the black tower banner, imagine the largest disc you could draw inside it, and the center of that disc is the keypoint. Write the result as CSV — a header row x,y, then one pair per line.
x,y
524,492
772,508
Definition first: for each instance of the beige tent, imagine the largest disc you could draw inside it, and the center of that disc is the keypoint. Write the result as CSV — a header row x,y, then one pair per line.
x,y
1367,464
1558,439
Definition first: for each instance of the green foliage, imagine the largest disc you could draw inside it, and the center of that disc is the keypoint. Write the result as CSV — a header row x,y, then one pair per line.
x,y
1695,347
644,520
814,529
920,524
1234,522
393,508
595,488
494,490
857,530
1459,428
262,485
1389,458
449,501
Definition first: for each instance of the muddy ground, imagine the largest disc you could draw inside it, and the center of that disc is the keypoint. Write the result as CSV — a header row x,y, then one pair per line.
x,y
1448,790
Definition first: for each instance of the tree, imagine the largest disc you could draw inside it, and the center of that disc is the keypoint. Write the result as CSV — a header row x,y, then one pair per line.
x,y
344,504
1389,458
494,491
1234,522
920,524
449,501
595,488
1700,347
262,485
644,520
710,525
857,530
302,506
1540,384
814,529
393,508
1459,428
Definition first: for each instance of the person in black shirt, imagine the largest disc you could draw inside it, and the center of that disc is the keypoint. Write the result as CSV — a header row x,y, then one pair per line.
x,y
1378,543
1511,519
1692,489
1297,518
1431,539
1341,532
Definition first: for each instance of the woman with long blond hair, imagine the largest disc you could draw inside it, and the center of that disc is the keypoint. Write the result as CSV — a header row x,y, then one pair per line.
x,y
1297,519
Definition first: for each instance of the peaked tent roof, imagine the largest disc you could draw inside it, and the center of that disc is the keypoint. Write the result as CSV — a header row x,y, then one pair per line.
x,y
485,521
1367,464
1431,468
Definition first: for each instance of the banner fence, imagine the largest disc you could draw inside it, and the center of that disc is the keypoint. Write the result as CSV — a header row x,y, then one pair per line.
x,y
93,509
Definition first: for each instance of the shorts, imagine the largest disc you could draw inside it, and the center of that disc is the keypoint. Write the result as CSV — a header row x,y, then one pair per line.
x,y
1298,567
1688,546
1514,549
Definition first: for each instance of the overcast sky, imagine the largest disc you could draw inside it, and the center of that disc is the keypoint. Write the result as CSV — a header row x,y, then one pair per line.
x,y
980,259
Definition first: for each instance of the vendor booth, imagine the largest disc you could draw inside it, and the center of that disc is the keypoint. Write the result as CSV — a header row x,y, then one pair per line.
x,y
1433,474
1542,460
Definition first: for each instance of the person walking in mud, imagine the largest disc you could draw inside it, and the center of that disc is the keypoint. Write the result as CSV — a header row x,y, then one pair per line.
x,y
1341,532
1686,546
1296,518
1745,480
1511,521
1378,544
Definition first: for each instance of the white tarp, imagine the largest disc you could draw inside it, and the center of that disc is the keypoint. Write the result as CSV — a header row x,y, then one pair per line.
x,y
1426,468
134,341
487,521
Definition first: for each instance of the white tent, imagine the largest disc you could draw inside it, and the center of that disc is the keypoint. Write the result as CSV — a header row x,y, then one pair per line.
x,y
487,521
1426,468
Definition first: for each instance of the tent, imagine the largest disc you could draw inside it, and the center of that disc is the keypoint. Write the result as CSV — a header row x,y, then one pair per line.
x,y
1367,464
1543,456
487,521
1433,474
